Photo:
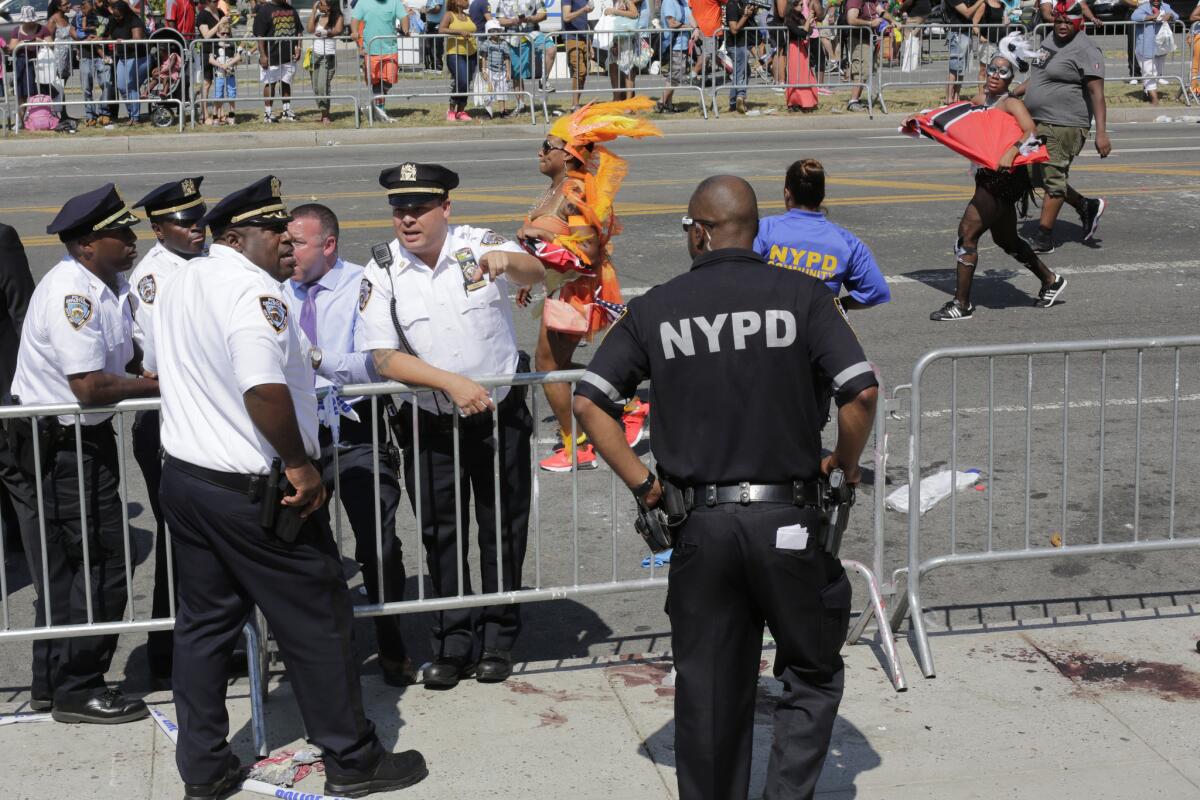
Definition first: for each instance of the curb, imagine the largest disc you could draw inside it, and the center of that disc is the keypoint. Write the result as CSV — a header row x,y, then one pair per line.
x,y
15,146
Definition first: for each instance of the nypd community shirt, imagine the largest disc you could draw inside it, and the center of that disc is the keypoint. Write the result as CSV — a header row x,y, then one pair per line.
x,y
736,350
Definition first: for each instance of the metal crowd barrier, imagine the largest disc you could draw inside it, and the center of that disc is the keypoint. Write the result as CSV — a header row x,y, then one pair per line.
x,y
1116,41
248,74
936,41
152,51
999,528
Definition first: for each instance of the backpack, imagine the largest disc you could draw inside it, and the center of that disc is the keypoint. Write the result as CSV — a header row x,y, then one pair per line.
x,y
39,114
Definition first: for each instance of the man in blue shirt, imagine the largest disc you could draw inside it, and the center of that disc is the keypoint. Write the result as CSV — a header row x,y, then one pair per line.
x,y
804,240
676,18
324,293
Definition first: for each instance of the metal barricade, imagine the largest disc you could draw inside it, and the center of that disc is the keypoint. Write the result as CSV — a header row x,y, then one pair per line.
x,y
939,46
978,530
286,58
137,76
836,57
1118,43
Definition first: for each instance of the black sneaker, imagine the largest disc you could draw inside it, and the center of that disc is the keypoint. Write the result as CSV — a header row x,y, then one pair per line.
x,y
1049,295
1089,216
287,116
856,105
952,312
1041,242
109,707
394,771
268,119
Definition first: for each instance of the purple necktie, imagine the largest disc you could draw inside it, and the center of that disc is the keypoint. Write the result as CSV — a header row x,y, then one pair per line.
x,y
308,312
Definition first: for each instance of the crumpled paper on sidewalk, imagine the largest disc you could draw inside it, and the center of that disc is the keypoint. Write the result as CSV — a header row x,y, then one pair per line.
x,y
287,767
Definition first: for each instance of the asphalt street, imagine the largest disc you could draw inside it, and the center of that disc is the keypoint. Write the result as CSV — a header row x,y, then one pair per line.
x,y
904,199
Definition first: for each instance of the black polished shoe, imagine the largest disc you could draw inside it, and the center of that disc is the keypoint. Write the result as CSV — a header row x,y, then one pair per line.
x,y
109,707
398,673
394,771
447,671
218,789
494,666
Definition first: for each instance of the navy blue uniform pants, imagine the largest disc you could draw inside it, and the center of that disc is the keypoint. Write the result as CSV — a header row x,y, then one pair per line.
x,y
232,565
147,453
356,465
76,665
727,579
495,627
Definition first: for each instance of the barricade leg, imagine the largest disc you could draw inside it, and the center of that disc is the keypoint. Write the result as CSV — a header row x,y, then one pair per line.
x,y
257,678
875,608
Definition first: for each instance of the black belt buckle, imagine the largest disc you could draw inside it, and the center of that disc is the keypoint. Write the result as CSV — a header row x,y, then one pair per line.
x,y
710,495
744,493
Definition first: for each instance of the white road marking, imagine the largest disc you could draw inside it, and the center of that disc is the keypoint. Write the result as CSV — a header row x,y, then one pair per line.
x,y
1121,401
1003,275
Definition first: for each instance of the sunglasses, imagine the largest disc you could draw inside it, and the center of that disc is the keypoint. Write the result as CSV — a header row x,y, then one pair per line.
x,y
547,147
688,222
998,72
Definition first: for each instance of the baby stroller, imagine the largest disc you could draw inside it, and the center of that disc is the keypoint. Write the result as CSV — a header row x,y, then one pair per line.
x,y
167,74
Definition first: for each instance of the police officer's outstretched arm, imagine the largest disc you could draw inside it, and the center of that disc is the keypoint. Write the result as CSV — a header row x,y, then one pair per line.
x,y
834,349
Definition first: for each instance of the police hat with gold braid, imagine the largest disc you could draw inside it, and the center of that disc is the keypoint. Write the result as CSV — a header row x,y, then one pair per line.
x,y
259,204
178,201
99,210
412,184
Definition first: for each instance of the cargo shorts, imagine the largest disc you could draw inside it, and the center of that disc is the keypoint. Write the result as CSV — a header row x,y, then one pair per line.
x,y
1063,144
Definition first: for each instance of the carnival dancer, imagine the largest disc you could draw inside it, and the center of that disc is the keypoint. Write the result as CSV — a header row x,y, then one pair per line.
x,y
999,149
570,228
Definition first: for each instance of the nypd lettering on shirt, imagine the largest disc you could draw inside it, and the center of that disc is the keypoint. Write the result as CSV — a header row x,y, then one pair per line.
x,y
775,327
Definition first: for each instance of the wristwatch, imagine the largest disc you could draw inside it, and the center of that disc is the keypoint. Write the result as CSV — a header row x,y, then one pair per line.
x,y
315,356
642,489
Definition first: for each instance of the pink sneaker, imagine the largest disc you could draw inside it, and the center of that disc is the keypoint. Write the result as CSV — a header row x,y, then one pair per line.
x,y
821,90
462,116
560,461
635,423
451,116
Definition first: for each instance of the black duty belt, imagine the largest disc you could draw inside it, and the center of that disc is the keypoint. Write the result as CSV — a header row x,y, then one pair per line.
x,y
249,485
797,493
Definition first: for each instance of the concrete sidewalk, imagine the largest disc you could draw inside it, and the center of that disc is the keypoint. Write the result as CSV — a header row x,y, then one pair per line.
x,y
1096,707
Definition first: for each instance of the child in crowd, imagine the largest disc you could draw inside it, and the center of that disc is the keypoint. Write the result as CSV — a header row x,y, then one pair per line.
x,y
495,61
224,59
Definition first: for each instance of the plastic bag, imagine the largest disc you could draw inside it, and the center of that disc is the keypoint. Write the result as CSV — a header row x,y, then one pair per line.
x,y
934,489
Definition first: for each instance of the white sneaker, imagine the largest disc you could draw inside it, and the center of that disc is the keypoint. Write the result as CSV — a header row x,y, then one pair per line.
x,y
380,114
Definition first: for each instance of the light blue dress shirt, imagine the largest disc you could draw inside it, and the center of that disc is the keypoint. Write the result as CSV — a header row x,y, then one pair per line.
x,y
338,333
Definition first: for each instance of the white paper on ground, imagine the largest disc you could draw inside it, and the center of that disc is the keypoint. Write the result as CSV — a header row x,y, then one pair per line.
x,y
934,489
791,537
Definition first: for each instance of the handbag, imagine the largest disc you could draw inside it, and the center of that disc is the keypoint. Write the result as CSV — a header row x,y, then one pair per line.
x,y
308,59
1164,40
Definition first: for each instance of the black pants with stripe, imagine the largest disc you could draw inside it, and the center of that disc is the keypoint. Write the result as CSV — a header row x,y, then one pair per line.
x,y
229,565
456,632
727,579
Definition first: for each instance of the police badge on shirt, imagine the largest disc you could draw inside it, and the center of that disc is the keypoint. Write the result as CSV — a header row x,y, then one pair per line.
x,y
364,294
147,289
78,309
275,311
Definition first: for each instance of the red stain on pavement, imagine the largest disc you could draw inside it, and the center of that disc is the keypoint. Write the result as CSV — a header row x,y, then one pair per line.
x,y
1170,682
551,719
647,673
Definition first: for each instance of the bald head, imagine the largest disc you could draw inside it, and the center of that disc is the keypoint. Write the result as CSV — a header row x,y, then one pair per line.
x,y
729,205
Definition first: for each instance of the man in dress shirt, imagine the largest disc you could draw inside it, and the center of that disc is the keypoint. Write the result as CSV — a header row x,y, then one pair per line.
x,y
77,346
323,295
176,212
438,312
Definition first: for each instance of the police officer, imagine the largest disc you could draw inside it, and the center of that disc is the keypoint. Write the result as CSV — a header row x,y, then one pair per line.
x,y
16,287
734,349
805,240
176,212
77,346
239,416
323,294
436,313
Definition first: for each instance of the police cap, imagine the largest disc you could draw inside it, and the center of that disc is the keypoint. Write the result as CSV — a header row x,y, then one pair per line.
x,y
259,204
177,201
416,184
98,210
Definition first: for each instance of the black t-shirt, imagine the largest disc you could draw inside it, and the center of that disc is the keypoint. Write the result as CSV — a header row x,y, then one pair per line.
x,y
206,19
278,21
954,17
737,351
920,8
733,12
123,30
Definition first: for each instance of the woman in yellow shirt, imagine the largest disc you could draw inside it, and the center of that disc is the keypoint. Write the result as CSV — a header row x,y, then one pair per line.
x,y
460,56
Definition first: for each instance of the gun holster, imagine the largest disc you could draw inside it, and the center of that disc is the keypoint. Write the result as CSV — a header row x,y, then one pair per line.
x,y
283,522
837,500
19,433
660,525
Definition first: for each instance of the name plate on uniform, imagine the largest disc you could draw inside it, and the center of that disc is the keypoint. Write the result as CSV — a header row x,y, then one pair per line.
x,y
469,266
